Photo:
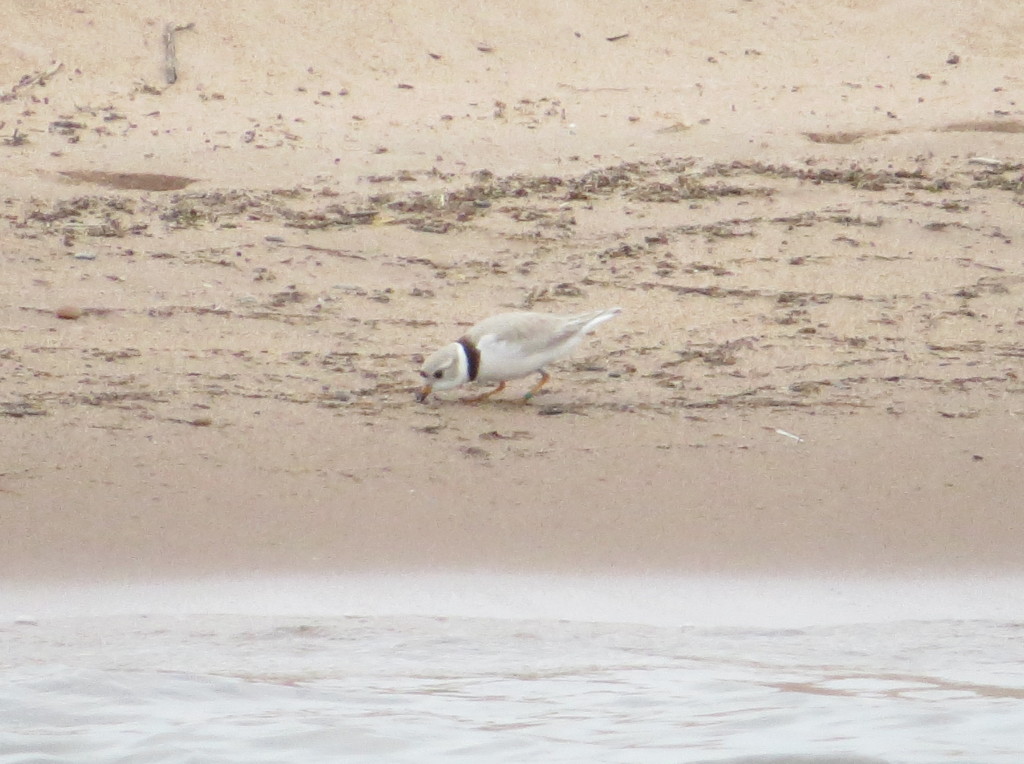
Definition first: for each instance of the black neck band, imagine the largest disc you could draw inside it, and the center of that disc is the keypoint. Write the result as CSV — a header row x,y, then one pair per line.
x,y
472,358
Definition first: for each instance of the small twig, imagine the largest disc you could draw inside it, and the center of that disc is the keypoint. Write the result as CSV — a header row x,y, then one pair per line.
x,y
170,54
16,139
39,78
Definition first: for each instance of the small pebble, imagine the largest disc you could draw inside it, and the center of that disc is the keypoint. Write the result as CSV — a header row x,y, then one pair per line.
x,y
85,255
69,312
552,410
26,620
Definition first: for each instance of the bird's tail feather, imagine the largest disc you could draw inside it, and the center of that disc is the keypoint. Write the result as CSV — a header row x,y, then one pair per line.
x,y
592,320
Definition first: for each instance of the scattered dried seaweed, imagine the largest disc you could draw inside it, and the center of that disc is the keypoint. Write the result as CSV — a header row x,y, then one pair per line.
x,y
800,333
840,138
30,80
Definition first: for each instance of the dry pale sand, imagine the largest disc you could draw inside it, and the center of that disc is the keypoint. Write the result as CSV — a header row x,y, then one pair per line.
x,y
811,216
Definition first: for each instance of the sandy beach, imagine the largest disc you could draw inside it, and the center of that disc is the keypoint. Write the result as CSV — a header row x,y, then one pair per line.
x,y
217,290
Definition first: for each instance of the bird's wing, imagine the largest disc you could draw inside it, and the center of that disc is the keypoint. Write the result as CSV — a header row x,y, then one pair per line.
x,y
529,333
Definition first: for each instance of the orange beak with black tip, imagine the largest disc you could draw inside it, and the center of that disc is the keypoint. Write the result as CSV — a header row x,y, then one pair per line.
x,y
423,392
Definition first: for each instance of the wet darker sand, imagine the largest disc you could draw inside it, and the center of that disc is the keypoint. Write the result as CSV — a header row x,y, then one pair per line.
x,y
517,491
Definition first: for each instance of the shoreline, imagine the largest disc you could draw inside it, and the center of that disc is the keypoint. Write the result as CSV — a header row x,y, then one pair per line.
x,y
674,601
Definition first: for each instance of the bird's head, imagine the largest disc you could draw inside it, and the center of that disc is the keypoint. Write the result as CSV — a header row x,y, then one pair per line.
x,y
443,370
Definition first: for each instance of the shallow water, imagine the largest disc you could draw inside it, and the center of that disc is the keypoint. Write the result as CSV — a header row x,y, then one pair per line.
x,y
148,674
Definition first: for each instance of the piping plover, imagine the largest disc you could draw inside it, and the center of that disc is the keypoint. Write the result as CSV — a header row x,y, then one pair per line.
x,y
508,346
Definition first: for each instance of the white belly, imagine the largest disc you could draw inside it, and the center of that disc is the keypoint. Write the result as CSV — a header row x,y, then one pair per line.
x,y
502,361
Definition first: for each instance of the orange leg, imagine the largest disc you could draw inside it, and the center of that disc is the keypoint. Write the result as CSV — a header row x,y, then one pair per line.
x,y
485,396
544,377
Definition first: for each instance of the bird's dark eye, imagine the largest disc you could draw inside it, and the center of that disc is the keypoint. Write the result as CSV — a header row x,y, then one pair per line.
x,y
438,374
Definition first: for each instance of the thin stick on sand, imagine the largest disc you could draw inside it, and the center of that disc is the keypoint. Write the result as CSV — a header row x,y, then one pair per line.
x,y
39,78
170,54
